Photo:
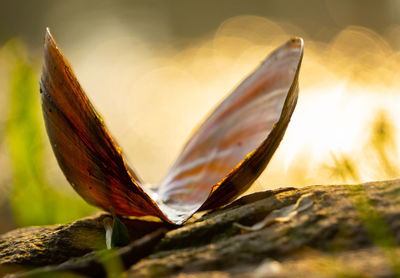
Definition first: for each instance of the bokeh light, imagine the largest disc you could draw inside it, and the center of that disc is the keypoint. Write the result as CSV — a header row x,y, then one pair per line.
x,y
158,97
153,87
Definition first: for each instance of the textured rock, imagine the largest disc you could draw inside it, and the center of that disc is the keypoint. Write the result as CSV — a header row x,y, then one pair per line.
x,y
348,230
49,245
344,222
101,263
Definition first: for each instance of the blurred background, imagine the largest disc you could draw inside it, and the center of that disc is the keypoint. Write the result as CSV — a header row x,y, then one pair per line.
x,y
154,69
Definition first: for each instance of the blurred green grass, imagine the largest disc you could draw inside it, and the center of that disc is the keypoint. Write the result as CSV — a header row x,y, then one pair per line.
x,y
382,146
35,200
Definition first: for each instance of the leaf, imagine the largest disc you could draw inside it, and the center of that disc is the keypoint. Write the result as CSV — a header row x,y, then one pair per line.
x,y
117,233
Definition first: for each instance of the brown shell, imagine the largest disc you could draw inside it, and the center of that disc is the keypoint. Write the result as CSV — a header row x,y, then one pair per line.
x,y
219,162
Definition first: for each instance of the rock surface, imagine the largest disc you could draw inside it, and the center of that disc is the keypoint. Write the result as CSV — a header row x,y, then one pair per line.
x,y
345,230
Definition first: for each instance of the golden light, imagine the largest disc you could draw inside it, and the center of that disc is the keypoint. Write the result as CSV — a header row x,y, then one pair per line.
x,y
151,97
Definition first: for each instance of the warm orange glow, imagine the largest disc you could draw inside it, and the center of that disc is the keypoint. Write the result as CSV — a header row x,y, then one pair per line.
x,y
151,97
